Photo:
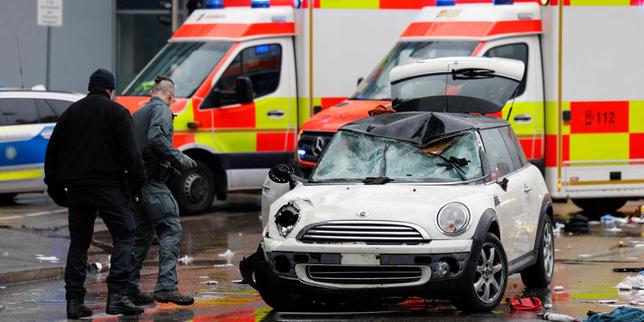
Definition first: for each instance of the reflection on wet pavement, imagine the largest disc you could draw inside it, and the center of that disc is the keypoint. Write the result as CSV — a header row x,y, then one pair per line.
x,y
584,270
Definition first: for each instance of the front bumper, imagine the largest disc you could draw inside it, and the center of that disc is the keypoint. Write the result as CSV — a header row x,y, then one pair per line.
x,y
314,271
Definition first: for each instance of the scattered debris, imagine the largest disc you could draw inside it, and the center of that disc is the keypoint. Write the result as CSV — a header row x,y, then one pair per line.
x,y
558,288
94,268
617,315
2,287
526,304
203,277
186,260
223,265
607,301
211,282
1,307
5,253
227,254
557,317
52,259
238,282
578,224
547,306
557,230
631,282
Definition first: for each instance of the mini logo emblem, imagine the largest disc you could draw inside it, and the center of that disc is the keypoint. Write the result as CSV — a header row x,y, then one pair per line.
x,y
361,214
318,146
10,153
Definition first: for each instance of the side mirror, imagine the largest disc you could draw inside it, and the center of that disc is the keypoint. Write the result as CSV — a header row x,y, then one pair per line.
x,y
244,90
284,173
503,183
359,81
317,109
212,100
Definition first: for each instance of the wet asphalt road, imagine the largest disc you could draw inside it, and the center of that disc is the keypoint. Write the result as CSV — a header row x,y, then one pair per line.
x,y
583,267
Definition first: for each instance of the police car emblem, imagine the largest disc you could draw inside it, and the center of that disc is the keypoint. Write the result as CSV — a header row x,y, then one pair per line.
x,y
10,153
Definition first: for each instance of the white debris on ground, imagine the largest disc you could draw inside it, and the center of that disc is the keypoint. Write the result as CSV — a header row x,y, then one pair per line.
x,y
210,282
631,288
227,254
186,260
44,258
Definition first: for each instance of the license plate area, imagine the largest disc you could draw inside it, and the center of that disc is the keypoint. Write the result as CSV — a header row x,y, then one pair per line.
x,y
359,259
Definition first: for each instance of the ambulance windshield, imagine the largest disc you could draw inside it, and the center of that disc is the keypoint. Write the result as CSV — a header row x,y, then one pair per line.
x,y
376,85
186,63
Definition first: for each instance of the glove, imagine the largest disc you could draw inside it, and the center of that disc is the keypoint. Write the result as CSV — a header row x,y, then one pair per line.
x,y
58,194
188,163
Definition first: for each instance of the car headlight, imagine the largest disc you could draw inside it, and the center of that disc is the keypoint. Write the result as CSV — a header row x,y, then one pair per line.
x,y
453,218
286,218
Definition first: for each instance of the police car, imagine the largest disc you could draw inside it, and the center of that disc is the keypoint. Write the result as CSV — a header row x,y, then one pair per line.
x,y
27,119
430,201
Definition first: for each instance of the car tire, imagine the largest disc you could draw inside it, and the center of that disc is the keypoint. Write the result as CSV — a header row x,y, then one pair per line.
x,y
540,274
490,272
600,206
195,189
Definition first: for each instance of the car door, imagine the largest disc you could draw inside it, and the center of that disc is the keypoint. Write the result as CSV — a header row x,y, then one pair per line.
x,y
257,135
508,201
22,145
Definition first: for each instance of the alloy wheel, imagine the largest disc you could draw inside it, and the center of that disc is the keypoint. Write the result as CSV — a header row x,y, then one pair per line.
x,y
548,251
489,279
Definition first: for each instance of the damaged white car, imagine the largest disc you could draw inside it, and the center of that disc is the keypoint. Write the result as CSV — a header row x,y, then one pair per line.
x,y
429,201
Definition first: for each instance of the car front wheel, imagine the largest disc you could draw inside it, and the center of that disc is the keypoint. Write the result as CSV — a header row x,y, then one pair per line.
x,y
487,285
540,274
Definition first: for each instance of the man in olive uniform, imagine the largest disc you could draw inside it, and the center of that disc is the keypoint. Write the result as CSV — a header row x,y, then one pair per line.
x,y
157,210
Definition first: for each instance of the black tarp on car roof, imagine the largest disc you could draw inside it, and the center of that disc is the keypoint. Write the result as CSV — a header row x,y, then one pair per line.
x,y
421,128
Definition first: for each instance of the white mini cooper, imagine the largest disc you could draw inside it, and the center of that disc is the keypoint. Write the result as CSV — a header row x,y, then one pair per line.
x,y
429,201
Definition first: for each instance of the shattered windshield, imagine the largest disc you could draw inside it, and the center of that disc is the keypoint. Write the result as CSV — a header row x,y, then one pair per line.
x,y
376,85
186,63
354,157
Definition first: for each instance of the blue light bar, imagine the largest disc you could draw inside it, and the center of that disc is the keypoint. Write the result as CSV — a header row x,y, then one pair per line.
x,y
301,153
503,2
214,4
260,3
443,3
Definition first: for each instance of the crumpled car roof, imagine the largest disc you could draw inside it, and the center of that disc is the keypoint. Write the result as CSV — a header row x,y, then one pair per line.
x,y
421,128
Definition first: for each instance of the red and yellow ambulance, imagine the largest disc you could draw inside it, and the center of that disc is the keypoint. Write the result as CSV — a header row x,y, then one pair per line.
x,y
580,112
249,73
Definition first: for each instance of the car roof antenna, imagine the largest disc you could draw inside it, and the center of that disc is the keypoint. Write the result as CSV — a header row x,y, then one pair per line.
x,y
514,96
22,78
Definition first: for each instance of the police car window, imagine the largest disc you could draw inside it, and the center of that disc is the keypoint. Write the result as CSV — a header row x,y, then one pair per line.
x,y
512,51
498,157
19,111
45,113
59,106
262,64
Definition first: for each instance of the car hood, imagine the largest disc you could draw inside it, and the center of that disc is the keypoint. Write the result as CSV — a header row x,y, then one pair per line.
x,y
416,204
331,119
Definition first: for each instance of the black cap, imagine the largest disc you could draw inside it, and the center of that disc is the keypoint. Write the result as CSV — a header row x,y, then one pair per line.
x,y
101,79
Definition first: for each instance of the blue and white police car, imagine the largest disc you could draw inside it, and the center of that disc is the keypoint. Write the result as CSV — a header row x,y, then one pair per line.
x,y
27,119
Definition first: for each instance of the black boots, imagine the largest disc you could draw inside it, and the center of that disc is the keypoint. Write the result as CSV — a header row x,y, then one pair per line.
x,y
140,298
120,304
173,297
76,310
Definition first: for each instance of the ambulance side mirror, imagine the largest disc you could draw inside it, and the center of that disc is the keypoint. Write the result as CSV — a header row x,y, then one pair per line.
x,y
244,90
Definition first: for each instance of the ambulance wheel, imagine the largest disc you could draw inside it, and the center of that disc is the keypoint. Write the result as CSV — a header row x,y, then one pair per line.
x,y
600,206
195,189
486,284
540,274
7,198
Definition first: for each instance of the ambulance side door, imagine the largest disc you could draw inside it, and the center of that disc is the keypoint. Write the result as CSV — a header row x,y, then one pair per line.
x,y
528,112
257,135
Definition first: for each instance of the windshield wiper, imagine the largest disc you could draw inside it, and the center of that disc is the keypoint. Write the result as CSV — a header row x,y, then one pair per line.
x,y
453,163
377,180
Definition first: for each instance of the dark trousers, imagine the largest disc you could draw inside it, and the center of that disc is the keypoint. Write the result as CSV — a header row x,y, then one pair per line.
x,y
157,213
112,204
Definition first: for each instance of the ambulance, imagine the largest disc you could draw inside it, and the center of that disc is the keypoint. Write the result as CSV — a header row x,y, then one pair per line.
x,y
579,114
249,73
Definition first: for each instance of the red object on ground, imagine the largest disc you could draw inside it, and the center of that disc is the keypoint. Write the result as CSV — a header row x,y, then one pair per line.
x,y
526,304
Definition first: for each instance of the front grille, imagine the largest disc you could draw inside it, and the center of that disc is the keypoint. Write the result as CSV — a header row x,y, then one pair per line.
x,y
312,144
338,274
373,232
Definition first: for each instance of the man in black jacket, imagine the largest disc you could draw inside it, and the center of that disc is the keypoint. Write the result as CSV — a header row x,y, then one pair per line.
x,y
91,157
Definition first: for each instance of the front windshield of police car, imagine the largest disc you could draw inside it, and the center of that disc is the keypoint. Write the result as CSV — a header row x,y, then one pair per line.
x,y
376,85
353,157
186,63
